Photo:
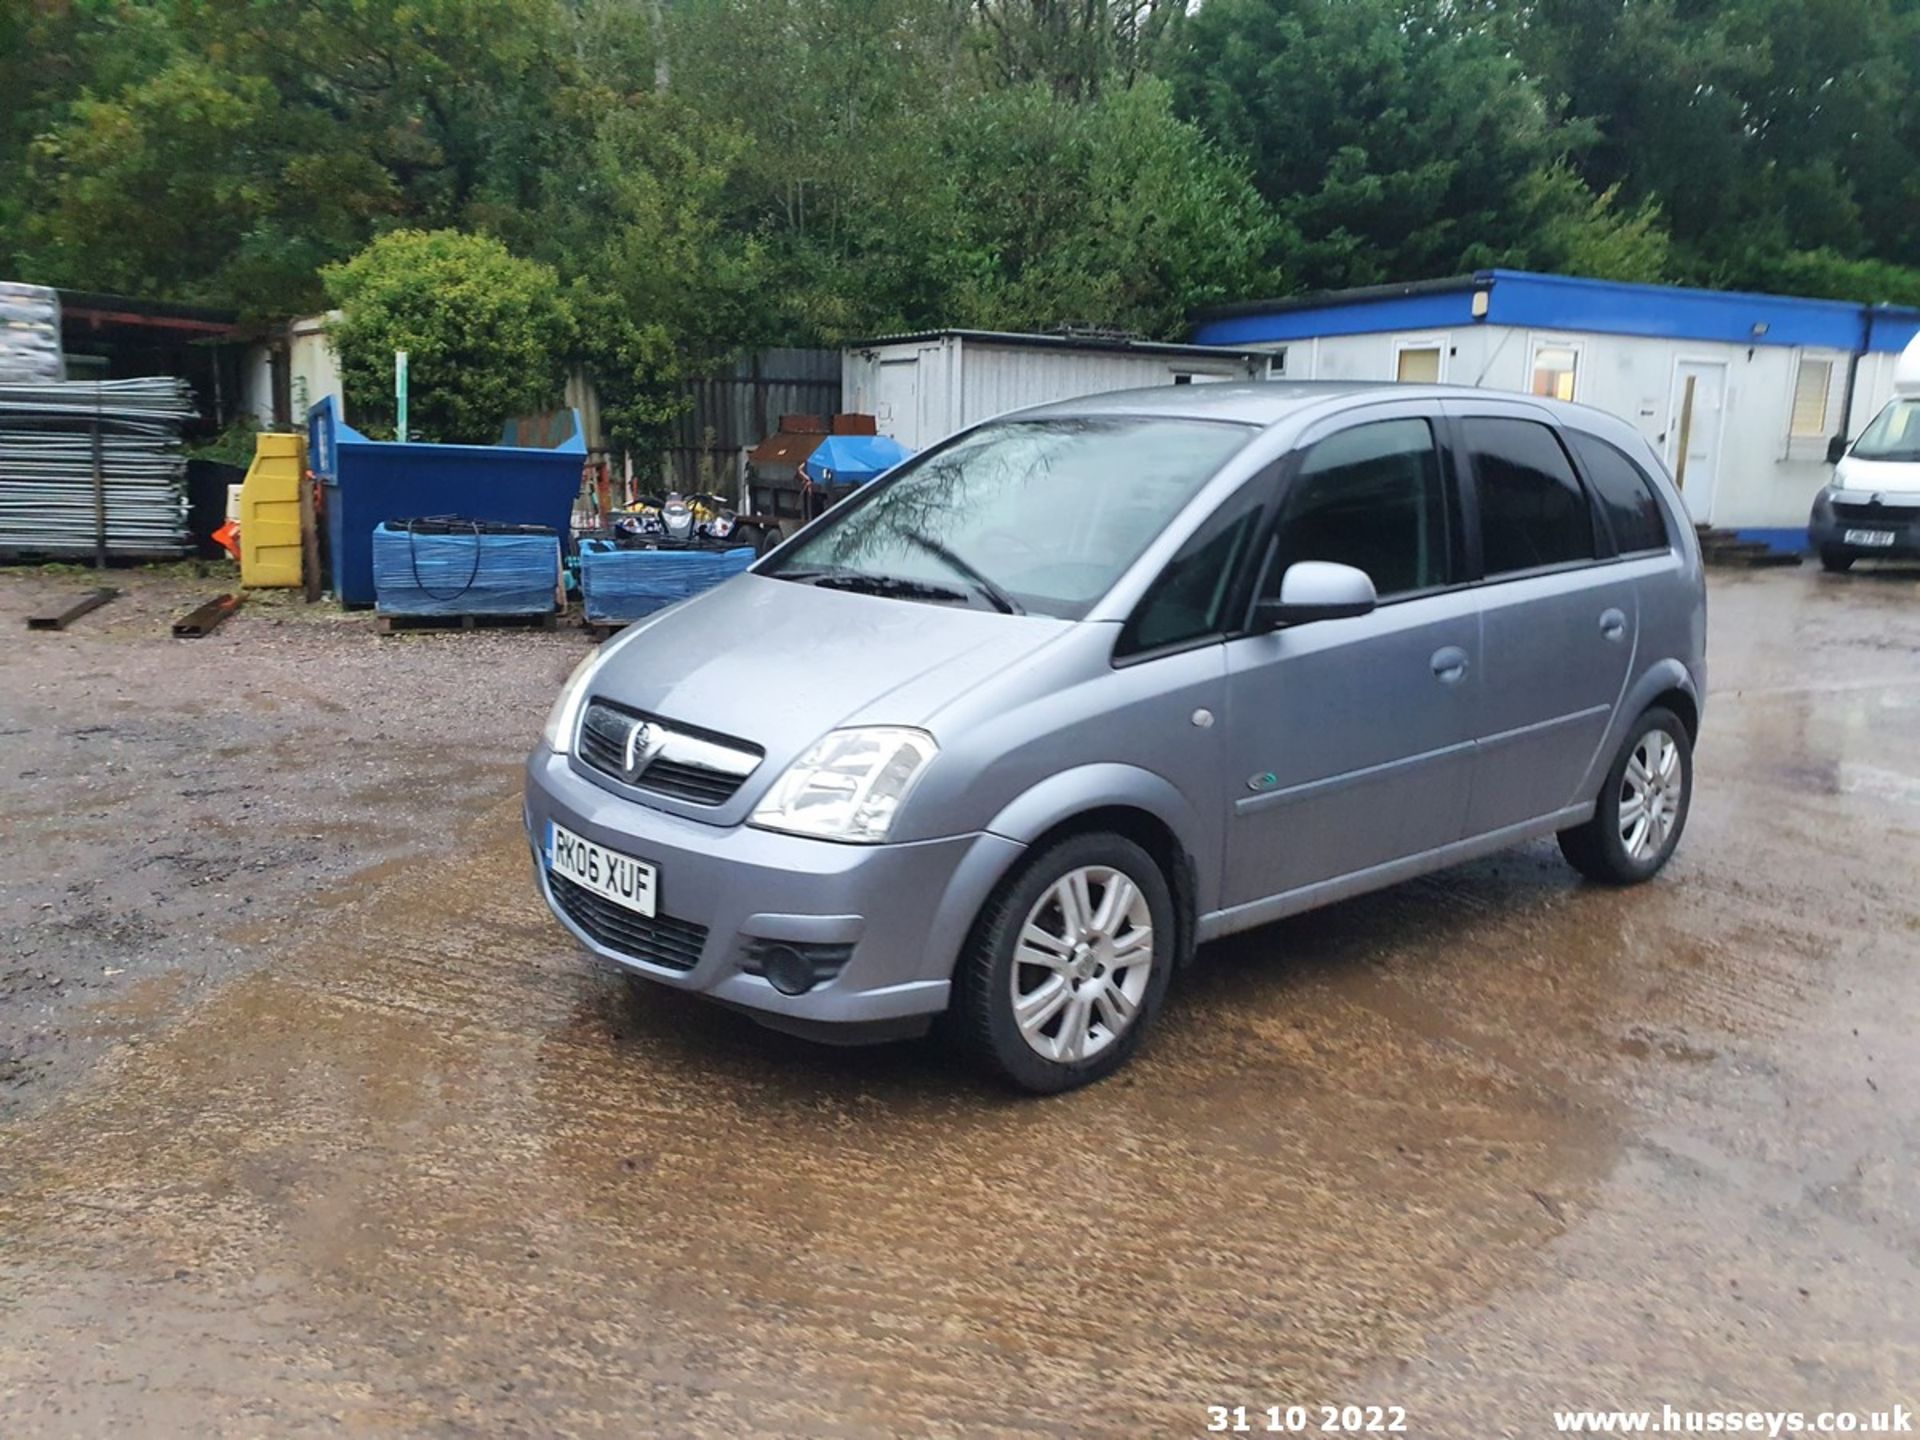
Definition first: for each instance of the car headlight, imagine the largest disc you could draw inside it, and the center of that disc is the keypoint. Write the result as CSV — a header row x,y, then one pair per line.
x,y
849,785
564,718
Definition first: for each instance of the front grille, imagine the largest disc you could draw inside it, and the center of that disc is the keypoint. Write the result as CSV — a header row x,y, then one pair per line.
x,y
663,940
689,782
603,739
1876,514
687,764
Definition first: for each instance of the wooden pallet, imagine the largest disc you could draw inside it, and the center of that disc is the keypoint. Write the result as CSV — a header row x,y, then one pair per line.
x,y
404,624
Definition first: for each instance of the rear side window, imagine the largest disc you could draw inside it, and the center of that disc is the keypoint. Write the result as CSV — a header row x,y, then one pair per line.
x,y
1626,494
1532,510
1371,497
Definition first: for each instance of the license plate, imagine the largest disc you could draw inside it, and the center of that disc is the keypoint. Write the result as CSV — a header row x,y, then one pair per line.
x,y
607,873
1868,537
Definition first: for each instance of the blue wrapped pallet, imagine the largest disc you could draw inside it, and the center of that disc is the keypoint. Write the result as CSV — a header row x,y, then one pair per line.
x,y
620,585
457,568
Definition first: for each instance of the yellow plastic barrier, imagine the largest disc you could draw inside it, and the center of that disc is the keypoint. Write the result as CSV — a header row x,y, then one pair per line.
x,y
270,511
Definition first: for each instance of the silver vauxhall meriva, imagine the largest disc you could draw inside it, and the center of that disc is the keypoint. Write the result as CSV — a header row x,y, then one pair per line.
x,y
1009,733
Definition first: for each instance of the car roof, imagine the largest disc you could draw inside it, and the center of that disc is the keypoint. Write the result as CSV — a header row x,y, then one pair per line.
x,y
1267,402
1257,402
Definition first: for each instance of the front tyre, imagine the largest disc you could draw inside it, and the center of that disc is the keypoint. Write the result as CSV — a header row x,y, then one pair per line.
x,y
1835,560
1068,965
1642,807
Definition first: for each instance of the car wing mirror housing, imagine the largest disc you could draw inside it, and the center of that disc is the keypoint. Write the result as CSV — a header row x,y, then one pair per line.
x,y
1836,449
1316,590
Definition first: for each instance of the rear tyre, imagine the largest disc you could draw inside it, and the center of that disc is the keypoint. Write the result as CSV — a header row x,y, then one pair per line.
x,y
1834,560
1642,807
1067,965
769,538
748,535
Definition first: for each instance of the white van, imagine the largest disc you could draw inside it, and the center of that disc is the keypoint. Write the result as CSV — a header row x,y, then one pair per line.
x,y
1872,507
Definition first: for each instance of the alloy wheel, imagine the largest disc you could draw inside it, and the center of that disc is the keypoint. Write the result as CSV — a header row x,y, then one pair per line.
x,y
1650,794
1081,963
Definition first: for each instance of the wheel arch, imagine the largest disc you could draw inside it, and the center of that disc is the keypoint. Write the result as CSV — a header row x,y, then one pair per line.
x,y
1683,704
1665,682
1137,804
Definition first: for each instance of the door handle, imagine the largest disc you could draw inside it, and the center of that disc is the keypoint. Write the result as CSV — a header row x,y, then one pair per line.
x,y
1449,664
1613,624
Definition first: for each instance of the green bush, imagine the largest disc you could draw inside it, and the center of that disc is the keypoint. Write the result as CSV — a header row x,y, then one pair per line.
x,y
486,334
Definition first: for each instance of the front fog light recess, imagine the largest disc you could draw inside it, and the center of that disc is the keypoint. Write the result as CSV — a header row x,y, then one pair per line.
x,y
849,784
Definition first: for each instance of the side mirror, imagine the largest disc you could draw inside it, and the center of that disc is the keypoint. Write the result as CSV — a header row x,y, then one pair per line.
x,y
1836,448
1316,590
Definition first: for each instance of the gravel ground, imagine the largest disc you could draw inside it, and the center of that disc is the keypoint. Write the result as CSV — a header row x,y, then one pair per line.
x,y
156,793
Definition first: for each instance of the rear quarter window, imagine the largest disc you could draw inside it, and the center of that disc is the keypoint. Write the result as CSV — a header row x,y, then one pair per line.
x,y
1626,494
1533,511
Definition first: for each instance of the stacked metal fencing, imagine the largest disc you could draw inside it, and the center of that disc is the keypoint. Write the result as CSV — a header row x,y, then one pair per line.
x,y
94,469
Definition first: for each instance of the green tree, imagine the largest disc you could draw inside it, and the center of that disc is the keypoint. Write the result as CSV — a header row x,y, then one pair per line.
x,y
893,182
1397,139
1764,129
223,150
1113,212
487,335
1576,232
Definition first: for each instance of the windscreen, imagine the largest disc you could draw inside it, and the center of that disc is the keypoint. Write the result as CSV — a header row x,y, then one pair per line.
x,y
1029,515
1893,435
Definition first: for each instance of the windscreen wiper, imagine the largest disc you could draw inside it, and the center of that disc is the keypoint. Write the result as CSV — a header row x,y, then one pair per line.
x,y
998,598
895,585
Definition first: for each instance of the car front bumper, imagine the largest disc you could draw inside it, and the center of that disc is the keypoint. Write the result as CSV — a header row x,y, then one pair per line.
x,y
1835,512
893,916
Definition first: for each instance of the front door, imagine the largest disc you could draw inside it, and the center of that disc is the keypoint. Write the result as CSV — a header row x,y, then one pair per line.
x,y
1349,743
1701,419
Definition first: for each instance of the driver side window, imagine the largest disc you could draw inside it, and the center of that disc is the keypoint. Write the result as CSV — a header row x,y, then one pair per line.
x,y
1371,497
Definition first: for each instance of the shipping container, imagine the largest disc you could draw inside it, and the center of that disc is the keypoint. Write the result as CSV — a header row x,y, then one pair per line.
x,y
921,388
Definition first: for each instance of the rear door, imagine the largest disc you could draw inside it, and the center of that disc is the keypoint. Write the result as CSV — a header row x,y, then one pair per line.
x,y
1559,620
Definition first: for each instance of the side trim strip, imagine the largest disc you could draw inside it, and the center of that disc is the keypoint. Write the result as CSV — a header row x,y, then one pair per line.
x,y
1249,804
1523,732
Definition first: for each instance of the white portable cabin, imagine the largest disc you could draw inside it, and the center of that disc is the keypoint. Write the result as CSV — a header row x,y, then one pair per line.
x,y
1771,378
921,388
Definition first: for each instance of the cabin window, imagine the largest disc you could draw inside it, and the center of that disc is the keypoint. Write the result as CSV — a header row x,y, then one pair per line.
x,y
1418,364
1811,388
1555,370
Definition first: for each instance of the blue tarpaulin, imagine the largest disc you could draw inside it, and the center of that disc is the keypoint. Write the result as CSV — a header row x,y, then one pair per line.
x,y
620,585
853,459
454,572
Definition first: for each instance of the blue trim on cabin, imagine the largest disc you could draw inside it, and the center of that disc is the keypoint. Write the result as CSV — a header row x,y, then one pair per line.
x,y
1527,300
1398,313
1566,302
1785,539
1891,328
